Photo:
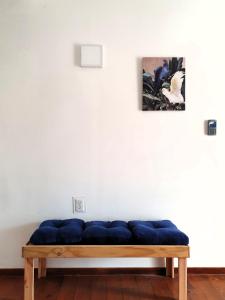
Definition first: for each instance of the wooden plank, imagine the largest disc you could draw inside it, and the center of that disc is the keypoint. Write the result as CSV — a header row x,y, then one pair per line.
x,y
116,271
131,293
200,287
41,267
98,289
113,286
165,291
84,288
170,267
104,251
182,264
48,289
29,279
68,288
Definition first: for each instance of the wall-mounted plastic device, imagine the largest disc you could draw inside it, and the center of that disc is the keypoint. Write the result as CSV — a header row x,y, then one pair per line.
x,y
212,125
91,56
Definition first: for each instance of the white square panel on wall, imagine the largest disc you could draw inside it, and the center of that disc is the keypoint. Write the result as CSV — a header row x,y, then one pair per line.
x,y
91,56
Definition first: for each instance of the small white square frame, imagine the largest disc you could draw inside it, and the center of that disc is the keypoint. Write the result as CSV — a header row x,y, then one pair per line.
x,y
91,56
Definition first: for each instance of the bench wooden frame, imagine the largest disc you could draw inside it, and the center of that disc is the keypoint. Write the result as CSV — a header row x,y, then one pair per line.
x,y
31,252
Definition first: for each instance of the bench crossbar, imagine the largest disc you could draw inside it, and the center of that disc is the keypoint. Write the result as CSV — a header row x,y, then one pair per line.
x,y
83,251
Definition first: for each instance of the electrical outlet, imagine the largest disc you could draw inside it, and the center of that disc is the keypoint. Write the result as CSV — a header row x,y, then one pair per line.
x,y
78,205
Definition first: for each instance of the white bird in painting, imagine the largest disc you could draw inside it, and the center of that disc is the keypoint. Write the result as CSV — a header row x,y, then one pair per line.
x,y
174,93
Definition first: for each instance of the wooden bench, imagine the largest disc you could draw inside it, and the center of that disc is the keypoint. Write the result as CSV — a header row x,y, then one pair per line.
x,y
31,252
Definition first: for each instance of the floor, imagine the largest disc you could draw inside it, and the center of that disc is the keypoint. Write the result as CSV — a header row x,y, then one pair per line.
x,y
114,287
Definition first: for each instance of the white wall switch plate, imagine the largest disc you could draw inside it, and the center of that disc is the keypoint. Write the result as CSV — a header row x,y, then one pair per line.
x,y
91,56
78,205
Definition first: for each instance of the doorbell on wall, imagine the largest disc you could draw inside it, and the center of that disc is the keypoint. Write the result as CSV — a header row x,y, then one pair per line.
x,y
212,125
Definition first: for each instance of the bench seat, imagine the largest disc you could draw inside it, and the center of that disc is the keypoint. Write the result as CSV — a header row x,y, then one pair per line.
x,y
76,231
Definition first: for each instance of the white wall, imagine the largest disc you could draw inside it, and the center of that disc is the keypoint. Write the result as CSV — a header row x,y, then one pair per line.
x,y
68,131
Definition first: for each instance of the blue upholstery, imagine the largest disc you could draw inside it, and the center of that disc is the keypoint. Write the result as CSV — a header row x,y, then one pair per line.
x,y
76,231
157,233
53,232
111,233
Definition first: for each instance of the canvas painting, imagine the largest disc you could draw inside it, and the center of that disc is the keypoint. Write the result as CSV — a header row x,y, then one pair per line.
x,y
163,83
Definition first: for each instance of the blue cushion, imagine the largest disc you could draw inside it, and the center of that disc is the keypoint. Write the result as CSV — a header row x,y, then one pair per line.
x,y
157,233
103,233
58,232
107,224
76,231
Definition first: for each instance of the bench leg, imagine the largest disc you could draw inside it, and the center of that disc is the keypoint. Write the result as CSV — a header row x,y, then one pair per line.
x,y
29,279
41,267
182,265
170,267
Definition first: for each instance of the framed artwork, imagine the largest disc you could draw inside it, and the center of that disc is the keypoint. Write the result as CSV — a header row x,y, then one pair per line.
x,y
163,83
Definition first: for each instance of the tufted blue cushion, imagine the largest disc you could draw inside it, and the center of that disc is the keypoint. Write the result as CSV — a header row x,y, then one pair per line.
x,y
103,233
58,232
76,231
157,233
